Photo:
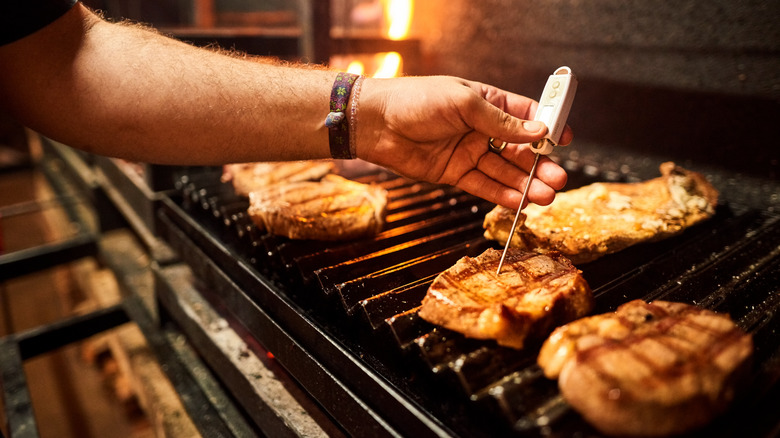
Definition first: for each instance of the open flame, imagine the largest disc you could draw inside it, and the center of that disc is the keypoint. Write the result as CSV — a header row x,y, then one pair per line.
x,y
390,66
398,20
356,67
384,65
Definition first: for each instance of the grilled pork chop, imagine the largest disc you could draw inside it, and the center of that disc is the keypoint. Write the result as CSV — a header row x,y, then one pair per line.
x,y
602,218
648,369
247,177
534,293
334,208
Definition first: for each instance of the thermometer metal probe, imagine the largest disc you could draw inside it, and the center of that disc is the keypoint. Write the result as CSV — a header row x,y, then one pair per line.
x,y
553,111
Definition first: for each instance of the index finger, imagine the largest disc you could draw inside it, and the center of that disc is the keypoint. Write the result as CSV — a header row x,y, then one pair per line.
x,y
518,106
503,115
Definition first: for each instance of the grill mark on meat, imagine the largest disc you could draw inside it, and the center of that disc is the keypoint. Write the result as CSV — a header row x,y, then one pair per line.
x,y
685,359
648,369
332,209
533,293
304,195
474,269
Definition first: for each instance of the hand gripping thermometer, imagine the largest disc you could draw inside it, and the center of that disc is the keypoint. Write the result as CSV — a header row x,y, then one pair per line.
x,y
553,110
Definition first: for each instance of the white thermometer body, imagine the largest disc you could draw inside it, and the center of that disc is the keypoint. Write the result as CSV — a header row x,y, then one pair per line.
x,y
554,106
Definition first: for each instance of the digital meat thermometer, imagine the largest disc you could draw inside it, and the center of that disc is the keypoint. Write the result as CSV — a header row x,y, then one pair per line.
x,y
553,111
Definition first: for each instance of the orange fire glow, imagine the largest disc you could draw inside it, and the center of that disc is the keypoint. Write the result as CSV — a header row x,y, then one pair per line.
x,y
390,66
383,65
356,67
399,18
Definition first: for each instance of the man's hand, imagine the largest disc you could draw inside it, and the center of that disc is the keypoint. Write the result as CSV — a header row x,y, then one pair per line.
x,y
437,129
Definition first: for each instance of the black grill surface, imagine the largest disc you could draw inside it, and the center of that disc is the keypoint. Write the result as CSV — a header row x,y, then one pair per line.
x,y
362,296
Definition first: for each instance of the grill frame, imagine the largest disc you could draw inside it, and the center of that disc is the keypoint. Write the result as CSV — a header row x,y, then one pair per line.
x,y
311,364
394,392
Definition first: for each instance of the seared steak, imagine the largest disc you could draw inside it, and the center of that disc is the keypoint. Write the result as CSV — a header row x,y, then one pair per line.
x,y
247,177
602,218
533,294
648,369
332,209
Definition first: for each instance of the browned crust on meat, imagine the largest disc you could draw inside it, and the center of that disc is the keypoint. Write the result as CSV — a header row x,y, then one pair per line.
x,y
602,218
248,177
534,293
332,209
649,369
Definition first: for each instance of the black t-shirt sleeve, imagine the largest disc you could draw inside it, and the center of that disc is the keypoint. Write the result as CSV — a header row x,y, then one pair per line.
x,y
19,18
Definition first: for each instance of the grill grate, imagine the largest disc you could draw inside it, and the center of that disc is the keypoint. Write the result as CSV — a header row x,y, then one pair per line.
x,y
730,263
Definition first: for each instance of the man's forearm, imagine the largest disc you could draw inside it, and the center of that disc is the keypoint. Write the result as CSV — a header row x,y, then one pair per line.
x,y
123,91
135,90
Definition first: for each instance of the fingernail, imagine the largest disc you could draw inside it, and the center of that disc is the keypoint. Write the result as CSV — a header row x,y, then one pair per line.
x,y
532,126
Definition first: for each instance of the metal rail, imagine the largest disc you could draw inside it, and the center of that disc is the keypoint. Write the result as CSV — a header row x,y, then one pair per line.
x,y
209,407
211,410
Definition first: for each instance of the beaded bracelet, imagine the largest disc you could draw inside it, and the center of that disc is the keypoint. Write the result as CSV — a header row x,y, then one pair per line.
x,y
353,116
337,122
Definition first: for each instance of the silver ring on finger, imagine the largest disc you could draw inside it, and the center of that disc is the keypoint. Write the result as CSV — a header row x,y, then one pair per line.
x,y
496,149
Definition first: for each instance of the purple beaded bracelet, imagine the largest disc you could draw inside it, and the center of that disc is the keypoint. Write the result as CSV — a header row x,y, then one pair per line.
x,y
337,121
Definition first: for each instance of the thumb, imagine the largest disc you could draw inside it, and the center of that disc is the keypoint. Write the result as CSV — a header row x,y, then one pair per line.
x,y
496,123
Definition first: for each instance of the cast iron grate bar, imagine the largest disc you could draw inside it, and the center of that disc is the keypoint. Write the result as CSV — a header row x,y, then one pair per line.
x,y
355,290
306,263
460,202
667,261
331,277
309,262
378,308
406,327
